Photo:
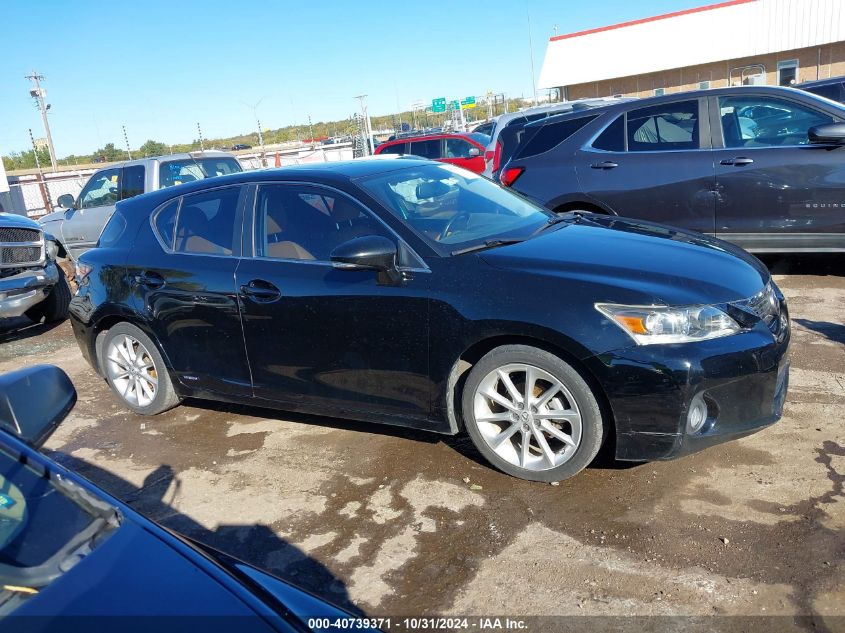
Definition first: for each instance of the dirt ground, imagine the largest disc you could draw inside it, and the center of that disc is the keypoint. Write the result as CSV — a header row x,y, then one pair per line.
x,y
388,522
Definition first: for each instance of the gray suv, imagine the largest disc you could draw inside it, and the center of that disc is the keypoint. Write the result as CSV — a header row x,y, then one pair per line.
x,y
78,225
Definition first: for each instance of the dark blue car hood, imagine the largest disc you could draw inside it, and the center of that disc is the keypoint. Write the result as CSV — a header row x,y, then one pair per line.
x,y
646,262
17,221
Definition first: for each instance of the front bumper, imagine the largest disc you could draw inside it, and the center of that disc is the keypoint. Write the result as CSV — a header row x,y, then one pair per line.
x,y
18,293
743,380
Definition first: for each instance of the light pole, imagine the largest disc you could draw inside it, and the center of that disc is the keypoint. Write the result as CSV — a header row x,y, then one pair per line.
x,y
258,125
368,125
38,94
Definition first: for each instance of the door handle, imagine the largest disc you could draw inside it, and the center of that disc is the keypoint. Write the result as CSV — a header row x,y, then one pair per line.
x,y
261,291
737,162
608,164
149,280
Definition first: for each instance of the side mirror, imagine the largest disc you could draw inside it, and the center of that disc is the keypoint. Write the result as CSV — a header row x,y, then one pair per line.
x,y
473,152
833,133
66,201
371,252
34,400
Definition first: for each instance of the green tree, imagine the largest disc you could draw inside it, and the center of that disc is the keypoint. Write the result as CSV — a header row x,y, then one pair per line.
x,y
153,148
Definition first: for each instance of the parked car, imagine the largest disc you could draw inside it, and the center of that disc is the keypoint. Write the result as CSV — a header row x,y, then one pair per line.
x,y
414,293
30,281
492,154
67,548
832,88
762,167
463,150
78,226
240,146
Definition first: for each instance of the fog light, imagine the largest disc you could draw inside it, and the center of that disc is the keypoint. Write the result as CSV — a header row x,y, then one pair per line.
x,y
697,415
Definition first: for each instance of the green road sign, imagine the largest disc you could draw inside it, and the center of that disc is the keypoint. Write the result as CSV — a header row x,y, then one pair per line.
x,y
438,105
469,102
454,105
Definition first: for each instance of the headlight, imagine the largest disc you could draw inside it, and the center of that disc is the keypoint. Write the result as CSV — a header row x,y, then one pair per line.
x,y
52,248
651,325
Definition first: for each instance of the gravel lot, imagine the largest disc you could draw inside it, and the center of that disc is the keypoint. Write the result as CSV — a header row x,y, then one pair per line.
x,y
398,522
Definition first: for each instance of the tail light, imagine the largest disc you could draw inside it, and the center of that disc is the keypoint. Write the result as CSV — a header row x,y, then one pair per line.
x,y
497,156
488,156
509,176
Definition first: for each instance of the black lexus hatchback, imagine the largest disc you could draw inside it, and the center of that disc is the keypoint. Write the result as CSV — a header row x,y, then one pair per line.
x,y
415,293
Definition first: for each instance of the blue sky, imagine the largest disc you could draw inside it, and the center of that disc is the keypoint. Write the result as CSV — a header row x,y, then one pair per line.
x,y
161,66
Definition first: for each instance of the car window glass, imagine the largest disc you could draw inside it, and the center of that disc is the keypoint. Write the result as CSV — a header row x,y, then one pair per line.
x,y
766,122
133,182
206,221
426,149
178,172
551,134
164,222
664,127
458,148
306,223
101,190
613,137
832,91
398,148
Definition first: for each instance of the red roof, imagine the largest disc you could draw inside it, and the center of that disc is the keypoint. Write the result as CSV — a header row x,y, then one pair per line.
x,y
664,16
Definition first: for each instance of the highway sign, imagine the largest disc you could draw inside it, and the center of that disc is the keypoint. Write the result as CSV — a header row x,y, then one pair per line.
x,y
469,102
438,105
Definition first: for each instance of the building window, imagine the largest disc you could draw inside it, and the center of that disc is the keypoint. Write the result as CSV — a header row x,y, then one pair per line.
x,y
704,85
788,72
658,92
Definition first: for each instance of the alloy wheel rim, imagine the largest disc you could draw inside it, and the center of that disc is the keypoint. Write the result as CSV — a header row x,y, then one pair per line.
x,y
132,370
527,417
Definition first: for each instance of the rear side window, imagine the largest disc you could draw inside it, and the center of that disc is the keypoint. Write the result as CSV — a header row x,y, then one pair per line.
x,y
551,135
399,148
832,91
132,183
669,126
205,224
113,231
613,137
164,222
426,149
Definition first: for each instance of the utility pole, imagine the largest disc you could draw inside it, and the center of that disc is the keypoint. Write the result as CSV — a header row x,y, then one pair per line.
x,y
45,192
199,131
311,129
368,125
38,94
531,49
126,140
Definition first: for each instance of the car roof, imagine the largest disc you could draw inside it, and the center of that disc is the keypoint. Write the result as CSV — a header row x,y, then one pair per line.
x,y
821,82
628,104
165,158
432,136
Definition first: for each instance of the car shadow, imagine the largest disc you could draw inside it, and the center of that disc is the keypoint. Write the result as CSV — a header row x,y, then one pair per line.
x,y
804,263
832,331
22,328
250,543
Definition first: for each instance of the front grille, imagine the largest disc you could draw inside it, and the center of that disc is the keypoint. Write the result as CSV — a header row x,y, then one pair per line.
x,y
10,235
20,255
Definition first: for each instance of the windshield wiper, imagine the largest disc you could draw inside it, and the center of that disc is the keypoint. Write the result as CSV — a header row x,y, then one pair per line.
x,y
488,244
554,221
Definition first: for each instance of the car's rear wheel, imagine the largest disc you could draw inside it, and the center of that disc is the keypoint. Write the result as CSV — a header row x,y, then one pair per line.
x,y
531,414
136,372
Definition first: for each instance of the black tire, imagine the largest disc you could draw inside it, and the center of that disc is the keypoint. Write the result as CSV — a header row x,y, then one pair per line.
x,y
592,425
55,306
165,395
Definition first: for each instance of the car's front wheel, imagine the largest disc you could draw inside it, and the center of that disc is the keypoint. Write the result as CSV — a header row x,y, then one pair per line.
x,y
136,372
531,414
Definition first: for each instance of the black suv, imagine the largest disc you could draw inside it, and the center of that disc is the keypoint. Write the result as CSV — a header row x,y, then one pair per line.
x,y
762,167
832,88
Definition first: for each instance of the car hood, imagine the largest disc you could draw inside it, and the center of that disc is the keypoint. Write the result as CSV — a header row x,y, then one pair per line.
x,y
14,220
648,263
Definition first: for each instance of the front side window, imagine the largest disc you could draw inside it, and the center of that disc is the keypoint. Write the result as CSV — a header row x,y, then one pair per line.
x,y
101,190
458,148
308,223
767,122
133,182
451,208
426,149
670,126
178,172
205,224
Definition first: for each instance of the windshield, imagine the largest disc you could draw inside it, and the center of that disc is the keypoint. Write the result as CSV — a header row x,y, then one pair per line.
x,y
177,172
451,208
42,525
